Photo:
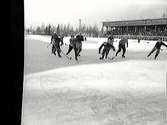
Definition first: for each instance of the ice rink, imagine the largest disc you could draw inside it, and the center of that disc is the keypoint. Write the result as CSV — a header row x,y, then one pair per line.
x,y
58,91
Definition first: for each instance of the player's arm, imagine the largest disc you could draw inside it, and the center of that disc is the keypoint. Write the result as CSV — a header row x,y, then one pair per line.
x,y
164,44
112,47
101,47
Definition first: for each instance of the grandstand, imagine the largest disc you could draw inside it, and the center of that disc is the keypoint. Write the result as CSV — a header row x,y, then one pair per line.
x,y
145,28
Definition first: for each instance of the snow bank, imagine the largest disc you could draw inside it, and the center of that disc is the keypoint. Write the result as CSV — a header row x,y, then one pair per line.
x,y
133,76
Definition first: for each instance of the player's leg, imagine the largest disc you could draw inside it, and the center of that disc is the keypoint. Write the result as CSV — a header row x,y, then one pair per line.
x,y
53,48
58,50
75,52
124,50
119,50
69,49
103,53
151,51
157,53
107,52
80,49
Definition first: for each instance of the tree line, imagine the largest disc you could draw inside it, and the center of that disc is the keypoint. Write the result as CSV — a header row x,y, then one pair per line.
x,y
67,30
64,30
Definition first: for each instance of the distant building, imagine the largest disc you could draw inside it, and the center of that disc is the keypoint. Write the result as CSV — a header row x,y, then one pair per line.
x,y
149,27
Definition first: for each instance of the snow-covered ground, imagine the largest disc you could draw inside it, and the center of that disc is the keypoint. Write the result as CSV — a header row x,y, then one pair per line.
x,y
130,92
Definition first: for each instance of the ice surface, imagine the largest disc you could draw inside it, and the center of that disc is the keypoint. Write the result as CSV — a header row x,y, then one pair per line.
x,y
128,92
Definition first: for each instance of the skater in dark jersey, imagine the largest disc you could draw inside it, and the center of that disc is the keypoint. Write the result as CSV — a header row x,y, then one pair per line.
x,y
110,39
157,48
56,42
72,45
53,42
122,43
106,48
80,38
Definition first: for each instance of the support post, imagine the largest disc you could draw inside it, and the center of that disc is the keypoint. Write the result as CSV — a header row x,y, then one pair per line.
x,y
127,29
145,28
155,29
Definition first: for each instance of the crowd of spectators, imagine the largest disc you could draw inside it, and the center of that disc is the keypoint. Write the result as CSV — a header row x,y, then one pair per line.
x,y
142,34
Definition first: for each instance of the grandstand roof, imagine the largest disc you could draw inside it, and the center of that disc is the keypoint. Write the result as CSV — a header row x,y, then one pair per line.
x,y
143,22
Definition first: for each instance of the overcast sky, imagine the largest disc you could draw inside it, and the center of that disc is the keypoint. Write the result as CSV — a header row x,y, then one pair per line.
x,y
91,12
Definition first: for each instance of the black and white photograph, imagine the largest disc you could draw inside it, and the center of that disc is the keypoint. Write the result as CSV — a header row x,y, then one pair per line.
x,y
95,62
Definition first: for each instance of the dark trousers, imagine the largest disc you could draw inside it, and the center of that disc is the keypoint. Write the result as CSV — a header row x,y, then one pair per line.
x,y
53,48
56,48
79,50
75,51
105,53
79,47
156,54
119,50
69,49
